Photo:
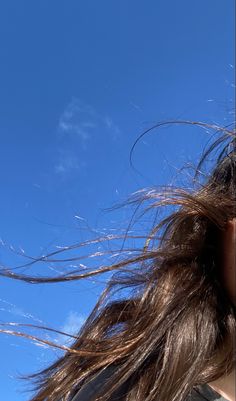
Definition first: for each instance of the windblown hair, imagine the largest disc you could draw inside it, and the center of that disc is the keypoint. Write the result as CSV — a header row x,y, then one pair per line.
x,y
176,329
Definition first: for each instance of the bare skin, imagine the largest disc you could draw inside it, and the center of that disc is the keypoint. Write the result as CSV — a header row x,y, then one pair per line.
x,y
226,385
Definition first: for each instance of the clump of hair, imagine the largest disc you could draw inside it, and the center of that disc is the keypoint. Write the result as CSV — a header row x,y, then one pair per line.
x,y
176,329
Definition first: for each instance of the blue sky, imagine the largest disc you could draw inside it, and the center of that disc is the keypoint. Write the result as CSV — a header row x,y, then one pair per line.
x,y
80,80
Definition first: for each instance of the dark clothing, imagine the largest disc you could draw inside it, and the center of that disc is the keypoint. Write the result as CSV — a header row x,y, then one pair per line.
x,y
95,385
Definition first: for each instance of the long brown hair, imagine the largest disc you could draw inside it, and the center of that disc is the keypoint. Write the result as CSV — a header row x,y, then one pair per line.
x,y
176,328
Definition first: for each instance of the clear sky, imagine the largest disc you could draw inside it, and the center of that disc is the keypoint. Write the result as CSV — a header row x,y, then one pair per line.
x,y
80,80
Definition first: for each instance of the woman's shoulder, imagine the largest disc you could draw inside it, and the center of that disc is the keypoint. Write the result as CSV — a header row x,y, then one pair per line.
x,y
93,387
204,392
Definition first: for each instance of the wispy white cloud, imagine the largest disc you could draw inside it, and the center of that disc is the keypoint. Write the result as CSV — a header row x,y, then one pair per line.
x,y
78,119
71,326
78,126
135,106
83,121
113,129
66,164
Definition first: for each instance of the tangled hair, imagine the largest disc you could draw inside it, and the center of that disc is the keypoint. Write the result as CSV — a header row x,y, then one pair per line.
x,y
176,329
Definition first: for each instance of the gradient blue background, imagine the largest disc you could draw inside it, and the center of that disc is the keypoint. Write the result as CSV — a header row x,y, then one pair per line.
x,y
79,81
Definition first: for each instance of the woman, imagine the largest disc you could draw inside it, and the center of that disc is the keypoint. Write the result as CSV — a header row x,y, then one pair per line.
x,y
173,337
222,389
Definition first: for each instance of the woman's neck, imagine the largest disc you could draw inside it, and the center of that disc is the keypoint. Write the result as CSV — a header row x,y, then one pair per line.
x,y
225,386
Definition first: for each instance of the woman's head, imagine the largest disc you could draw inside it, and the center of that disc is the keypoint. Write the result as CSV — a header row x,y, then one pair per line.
x,y
223,181
176,328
